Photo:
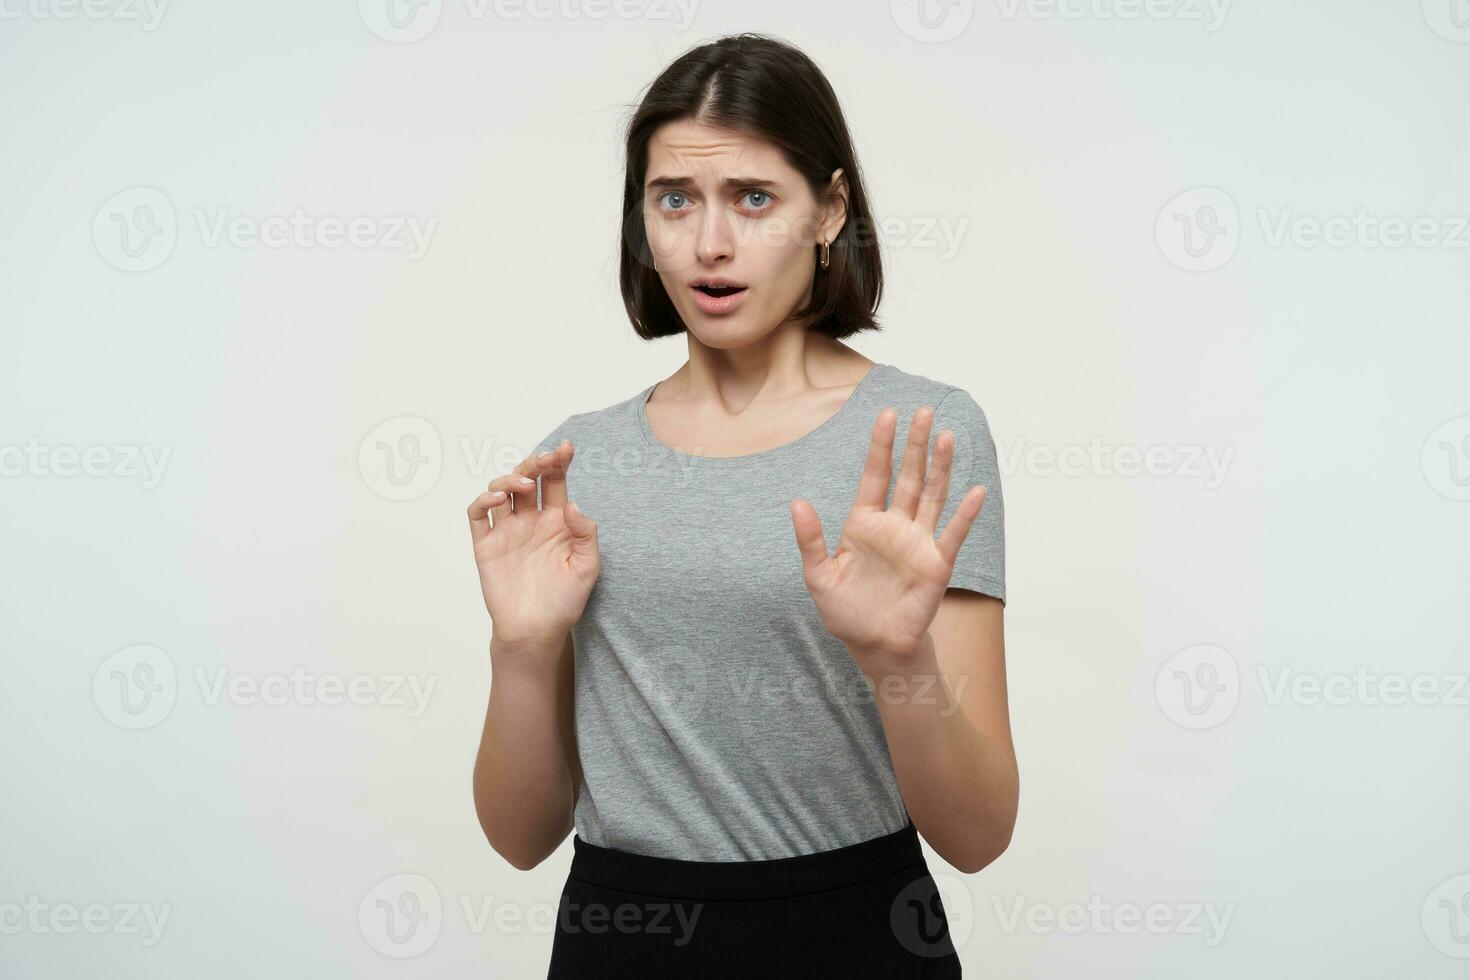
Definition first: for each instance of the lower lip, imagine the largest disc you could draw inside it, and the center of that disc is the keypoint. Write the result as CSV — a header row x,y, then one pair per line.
x,y
718,304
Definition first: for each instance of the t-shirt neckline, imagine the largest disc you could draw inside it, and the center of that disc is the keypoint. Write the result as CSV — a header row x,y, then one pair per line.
x,y
640,410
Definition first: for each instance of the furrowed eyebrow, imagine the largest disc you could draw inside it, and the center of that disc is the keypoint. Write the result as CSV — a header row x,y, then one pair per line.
x,y
682,182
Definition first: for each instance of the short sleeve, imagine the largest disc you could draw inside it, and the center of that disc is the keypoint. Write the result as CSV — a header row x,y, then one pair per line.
x,y
980,565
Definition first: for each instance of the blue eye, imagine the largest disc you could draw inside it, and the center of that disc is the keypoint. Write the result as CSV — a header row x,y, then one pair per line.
x,y
671,201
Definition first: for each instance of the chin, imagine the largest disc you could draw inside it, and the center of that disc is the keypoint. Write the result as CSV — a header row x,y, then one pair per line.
x,y
721,332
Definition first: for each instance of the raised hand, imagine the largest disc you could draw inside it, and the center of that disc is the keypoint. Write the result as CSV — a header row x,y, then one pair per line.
x,y
881,589
537,566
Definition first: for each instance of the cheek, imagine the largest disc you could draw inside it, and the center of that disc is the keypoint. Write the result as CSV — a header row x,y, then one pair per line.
x,y
784,268
671,247
663,241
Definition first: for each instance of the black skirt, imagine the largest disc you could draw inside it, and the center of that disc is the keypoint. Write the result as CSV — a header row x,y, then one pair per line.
x,y
866,910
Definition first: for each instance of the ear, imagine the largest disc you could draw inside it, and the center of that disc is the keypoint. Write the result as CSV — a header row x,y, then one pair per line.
x,y
834,212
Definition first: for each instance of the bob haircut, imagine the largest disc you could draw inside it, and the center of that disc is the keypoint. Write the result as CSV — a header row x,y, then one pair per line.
x,y
761,86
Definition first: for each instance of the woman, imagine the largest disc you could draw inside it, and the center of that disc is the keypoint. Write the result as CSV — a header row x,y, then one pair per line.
x,y
745,676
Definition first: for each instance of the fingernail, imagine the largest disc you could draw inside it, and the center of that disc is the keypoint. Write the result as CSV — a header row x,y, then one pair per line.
x,y
525,480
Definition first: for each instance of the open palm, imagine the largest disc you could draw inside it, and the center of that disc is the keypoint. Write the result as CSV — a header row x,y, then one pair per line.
x,y
882,588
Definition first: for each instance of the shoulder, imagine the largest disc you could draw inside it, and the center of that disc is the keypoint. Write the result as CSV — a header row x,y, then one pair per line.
x,y
596,425
954,405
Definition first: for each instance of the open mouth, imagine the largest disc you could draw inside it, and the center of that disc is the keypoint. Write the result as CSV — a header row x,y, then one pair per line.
x,y
717,296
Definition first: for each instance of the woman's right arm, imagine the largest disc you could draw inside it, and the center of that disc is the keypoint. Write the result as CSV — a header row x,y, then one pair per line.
x,y
527,772
537,568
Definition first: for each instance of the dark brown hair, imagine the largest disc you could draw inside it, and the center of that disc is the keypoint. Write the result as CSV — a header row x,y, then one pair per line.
x,y
758,85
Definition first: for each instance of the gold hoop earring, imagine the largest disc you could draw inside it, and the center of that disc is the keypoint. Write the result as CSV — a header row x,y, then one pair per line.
x,y
826,255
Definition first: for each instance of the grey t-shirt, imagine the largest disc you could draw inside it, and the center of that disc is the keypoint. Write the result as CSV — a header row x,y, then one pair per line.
x,y
717,718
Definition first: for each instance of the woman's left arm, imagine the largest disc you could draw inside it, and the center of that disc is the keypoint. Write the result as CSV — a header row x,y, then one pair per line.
x,y
934,655
947,719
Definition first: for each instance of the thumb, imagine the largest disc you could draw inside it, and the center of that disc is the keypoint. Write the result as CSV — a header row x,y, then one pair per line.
x,y
583,528
809,540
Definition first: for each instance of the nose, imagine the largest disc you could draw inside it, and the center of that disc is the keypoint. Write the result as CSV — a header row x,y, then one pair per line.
x,y
716,240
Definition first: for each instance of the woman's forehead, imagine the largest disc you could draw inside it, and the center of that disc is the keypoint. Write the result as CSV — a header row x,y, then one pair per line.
x,y
696,145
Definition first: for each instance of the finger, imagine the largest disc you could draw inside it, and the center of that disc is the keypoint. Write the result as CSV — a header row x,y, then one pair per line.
x,y
554,475
514,484
878,467
583,528
915,463
809,540
936,484
480,513
530,468
959,525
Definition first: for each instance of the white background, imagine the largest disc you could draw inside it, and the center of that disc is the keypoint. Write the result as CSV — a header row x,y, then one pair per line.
x,y
1152,613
